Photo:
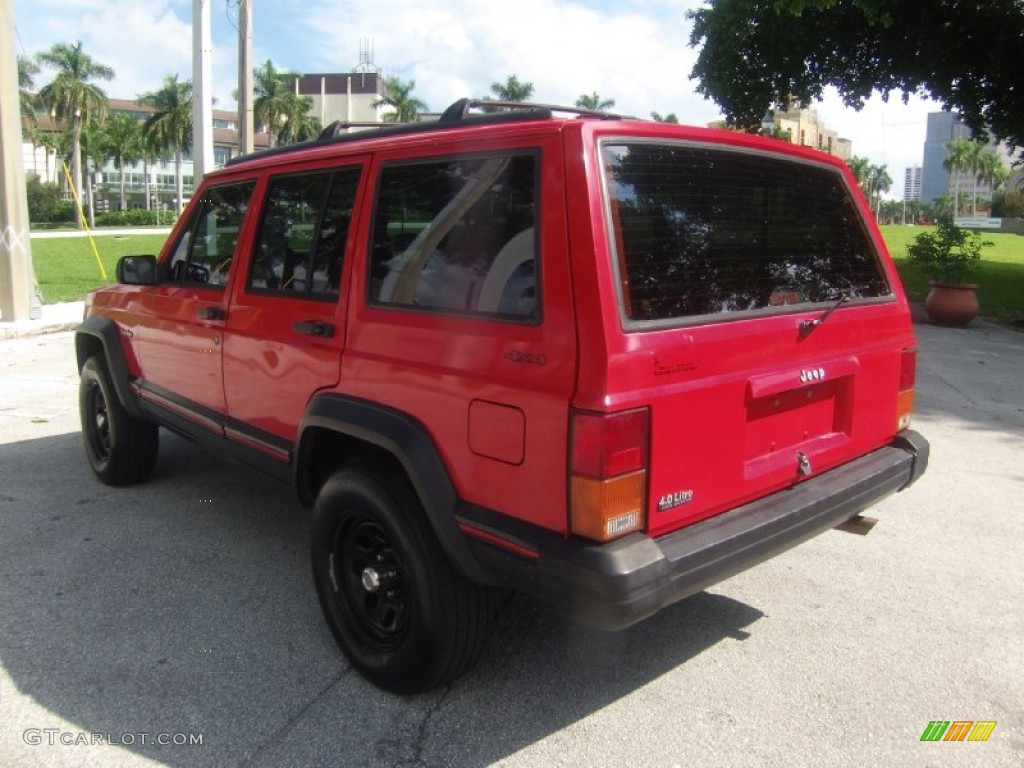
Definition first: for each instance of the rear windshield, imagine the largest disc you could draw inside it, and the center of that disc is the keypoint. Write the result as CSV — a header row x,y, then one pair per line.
x,y
701,231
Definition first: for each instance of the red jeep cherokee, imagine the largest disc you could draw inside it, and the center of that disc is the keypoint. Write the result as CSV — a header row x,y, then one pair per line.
x,y
601,361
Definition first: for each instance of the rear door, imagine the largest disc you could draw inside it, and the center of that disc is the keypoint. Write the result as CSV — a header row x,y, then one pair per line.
x,y
759,321
286,327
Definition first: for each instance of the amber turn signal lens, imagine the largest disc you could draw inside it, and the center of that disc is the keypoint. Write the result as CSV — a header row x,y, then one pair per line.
x,y
603,510
905,409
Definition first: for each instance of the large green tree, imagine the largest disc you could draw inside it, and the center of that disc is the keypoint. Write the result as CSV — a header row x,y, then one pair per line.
x,y
297,124
961,157
756,53
125,145
398,96
594,102
512,89
273,98
73,97
169,129
27,70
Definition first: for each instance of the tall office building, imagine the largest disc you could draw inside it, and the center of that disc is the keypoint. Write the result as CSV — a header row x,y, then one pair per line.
x,y
943,127
912,183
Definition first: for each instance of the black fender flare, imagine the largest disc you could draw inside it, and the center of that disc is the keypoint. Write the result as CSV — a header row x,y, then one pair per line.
x,y
409,442
107,333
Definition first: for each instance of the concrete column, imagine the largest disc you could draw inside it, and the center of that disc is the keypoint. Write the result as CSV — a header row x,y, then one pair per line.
x,y
15,248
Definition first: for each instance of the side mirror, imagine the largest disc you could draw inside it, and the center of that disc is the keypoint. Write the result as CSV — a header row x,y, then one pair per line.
x,y
137,270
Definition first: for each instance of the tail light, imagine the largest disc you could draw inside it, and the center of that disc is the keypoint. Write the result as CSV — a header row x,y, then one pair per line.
x,y
608,486
908,375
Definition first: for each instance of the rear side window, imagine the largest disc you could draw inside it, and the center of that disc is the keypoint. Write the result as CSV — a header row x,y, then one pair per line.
x,y
303,231
701,231
207,247
457,235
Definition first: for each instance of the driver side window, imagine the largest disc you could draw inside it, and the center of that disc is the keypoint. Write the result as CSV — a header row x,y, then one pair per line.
x,y
207,246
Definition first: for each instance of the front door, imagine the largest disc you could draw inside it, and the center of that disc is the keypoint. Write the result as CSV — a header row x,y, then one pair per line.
x,y
180,336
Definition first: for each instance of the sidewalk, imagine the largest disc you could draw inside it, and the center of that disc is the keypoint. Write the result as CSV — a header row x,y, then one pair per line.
x,y
54,318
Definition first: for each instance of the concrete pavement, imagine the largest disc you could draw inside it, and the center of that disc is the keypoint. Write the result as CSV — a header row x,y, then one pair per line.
x,y
53,319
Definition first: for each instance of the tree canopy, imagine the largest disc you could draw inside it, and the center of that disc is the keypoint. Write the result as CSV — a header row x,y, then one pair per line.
x,y
398,96
512,89
594,102
74,97
965,55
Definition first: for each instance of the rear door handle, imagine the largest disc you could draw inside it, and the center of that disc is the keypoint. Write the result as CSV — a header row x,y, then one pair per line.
x,y
323,330
211,313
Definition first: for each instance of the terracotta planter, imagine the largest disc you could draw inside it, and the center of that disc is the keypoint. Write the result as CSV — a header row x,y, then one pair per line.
x,y
952,305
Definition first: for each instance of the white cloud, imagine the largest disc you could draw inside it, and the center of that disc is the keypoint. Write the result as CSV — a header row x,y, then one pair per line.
x,y
633,51
887,133
564,48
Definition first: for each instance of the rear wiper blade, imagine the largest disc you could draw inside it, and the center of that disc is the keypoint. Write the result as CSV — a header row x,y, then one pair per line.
x,y
806,326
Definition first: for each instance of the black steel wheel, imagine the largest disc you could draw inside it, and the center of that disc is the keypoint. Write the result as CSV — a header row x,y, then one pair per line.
x,y
120,449
398,608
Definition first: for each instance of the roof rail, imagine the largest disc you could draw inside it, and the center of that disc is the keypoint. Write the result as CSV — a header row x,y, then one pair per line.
x,y
458,114
460,109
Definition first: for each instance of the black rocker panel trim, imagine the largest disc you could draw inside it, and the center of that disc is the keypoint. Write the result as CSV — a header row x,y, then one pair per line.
x,y
212,429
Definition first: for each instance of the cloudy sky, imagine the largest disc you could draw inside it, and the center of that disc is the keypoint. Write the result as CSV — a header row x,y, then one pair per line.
x,y
632,51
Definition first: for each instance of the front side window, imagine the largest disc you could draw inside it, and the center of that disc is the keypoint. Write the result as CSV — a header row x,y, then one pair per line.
x,y
301,242
207,246
458,235
701,231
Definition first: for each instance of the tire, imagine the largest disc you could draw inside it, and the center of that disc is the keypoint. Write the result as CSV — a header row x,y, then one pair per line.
x,y
399,610
121,449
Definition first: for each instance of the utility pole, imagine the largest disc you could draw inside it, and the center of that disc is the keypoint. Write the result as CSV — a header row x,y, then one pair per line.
x,y
15,247
202,93
245,115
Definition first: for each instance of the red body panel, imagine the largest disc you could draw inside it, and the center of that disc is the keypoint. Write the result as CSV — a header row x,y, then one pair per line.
x,y
739,408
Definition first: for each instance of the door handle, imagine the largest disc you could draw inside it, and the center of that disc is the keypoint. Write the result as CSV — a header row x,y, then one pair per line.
x,y
211,313
323,330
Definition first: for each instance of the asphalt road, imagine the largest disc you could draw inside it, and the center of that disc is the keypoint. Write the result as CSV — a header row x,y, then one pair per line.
x,y
183,609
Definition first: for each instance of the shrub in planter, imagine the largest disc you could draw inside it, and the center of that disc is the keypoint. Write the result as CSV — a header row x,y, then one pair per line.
x,y
949,256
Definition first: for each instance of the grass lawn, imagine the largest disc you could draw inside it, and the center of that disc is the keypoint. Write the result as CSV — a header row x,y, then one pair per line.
x,y
1000,278
66,267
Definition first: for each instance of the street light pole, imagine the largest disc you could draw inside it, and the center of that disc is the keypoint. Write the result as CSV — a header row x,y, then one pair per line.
x,y
15,247
202,105
246,135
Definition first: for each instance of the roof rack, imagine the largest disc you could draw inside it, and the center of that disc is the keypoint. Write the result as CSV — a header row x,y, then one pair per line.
x,y
456,115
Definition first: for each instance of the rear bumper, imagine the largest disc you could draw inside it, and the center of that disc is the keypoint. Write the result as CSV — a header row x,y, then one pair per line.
x,y
615,585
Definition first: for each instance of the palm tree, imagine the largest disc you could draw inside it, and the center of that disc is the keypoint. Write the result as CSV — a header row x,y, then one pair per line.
x,y
297,124
879,181
272,97
669,118
73,96
95,153
959,157
169,129
124,141
594,103
992,171
27,70
53,143
398,96
512,90
860,167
